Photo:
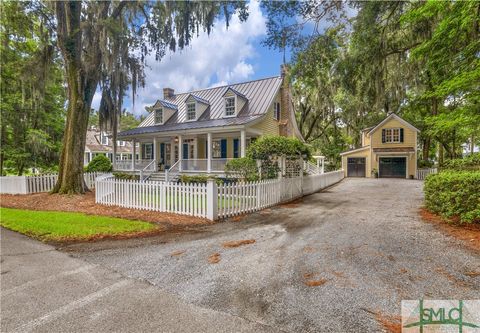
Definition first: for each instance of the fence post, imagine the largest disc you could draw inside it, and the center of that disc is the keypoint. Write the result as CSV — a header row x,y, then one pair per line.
x,y
212,200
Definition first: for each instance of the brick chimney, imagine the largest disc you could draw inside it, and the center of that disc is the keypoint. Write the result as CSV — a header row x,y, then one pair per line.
x,y
168,93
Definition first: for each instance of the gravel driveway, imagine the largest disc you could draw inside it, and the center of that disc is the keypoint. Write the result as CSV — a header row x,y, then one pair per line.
x,y
338,261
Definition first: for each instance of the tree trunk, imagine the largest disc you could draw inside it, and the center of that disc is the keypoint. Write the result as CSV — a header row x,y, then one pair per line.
x,y
440,153
82,82
426,149
70,174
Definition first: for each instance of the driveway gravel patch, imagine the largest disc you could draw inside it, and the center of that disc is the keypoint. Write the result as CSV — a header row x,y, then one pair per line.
x,y
363,236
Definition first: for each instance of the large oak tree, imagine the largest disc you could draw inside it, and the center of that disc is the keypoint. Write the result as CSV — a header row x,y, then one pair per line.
x,y
104,45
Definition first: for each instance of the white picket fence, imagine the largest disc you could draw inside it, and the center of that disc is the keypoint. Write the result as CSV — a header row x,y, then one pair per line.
x,y
423,173
37,183
209,200
187,199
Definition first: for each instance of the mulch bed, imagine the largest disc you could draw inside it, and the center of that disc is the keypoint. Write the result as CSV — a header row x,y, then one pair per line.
x,y
468,233
85,203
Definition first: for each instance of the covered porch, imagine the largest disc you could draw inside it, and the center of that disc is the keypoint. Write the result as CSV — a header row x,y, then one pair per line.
x,y
186,153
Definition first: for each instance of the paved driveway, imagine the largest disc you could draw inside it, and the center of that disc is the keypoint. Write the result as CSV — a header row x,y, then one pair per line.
x,y
340,260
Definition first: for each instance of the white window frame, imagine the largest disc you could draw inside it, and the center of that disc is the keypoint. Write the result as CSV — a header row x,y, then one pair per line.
x,y
156,116
120,143
234,106
391,136
194,111
276,111
103,136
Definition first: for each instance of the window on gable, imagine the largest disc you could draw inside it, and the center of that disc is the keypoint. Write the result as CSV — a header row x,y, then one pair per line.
x,y
229,106
276,111
191,112
120,143
104,139
392,135
159,116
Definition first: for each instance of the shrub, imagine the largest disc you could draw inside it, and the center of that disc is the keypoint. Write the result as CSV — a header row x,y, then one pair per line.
x,y
99,163
198,179
454,194
470,162
424,164
243,168
127,176
271,146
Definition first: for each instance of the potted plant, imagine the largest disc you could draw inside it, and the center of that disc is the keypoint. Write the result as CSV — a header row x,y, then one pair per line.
x,y
375,173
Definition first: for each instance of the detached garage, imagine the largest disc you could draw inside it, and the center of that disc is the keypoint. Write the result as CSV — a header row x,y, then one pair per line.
x,y
389,150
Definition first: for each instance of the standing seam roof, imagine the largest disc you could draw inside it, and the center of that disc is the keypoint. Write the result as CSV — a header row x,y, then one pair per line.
x,y
260,95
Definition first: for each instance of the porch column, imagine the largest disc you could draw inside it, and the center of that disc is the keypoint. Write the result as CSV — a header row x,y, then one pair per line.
x,y
323,165
243,143
209,150
134,143
180,152
155,154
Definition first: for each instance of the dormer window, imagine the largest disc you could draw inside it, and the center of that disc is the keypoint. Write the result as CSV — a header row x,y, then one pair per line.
x,y
230,106
191,111
159,116
392,135
104,138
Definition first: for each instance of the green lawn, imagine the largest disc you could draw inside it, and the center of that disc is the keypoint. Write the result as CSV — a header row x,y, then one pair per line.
x,y
58,226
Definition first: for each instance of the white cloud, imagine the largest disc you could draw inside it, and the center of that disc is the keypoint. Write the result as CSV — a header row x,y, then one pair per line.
x,y
223,57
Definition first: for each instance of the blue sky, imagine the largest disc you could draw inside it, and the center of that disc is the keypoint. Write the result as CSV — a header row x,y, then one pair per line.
x,y
224,57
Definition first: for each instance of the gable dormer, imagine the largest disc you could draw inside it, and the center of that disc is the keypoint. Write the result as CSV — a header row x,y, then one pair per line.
x,y
233,102
162,111
195,107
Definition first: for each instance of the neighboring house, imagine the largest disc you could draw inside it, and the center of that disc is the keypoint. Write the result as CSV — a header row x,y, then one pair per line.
x,y
200,131
99,143
390,148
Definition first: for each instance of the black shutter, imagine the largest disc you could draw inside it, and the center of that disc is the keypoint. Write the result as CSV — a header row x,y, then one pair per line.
x,y
383,135
401,134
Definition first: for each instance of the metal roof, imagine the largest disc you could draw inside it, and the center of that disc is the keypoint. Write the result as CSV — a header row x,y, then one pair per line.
x,y
198,99
259,93
235,92
166,104
175,126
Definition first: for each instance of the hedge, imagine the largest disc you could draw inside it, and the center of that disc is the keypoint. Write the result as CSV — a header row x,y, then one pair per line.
x,y
469,162
454,194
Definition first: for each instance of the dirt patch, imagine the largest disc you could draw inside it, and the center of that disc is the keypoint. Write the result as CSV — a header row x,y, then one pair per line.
x,y
391,324
311,282
237,218
232,244
292,204
468,233
214,258
315,283
308,249
177,253
472,274
85,203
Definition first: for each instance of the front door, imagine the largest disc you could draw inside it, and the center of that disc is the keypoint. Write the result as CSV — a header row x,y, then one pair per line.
x,y
356,167
393,167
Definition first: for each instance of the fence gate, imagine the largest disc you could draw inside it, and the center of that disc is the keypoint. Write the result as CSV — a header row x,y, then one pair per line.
x,y
291,188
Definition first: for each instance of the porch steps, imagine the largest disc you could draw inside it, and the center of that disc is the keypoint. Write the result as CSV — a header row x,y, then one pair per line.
x,y
159,177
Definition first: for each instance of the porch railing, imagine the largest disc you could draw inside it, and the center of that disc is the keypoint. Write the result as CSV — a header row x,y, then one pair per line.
x,y
147,170
311,168
218,164
126,165
172,173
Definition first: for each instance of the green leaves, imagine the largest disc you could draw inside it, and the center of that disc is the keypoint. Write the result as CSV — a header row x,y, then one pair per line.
x,y
267,147
454,194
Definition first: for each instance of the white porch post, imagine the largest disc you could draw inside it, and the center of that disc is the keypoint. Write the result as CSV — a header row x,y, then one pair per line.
x,y
180,155
134,143
323,165
243,143
209,151
155,154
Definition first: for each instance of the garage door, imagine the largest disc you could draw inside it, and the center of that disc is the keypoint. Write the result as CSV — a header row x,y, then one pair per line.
x,y
393,167
356,167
